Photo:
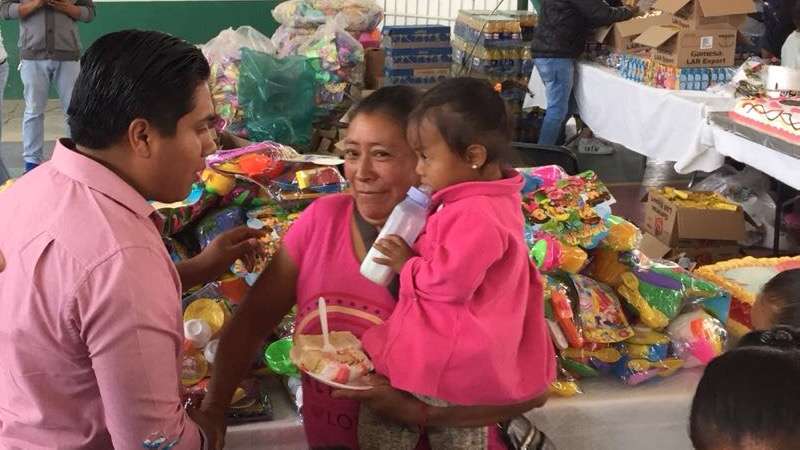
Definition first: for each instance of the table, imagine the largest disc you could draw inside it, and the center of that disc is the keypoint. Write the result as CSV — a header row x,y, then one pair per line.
x,y
608,416
613,416
283,433
660,124
773,156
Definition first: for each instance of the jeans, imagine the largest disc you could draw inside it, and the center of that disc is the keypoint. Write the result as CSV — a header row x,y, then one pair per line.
x,y
558,76
37,76
3,79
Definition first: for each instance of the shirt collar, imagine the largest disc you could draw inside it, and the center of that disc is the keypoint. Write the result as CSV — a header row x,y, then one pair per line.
x,y
97,177
511,184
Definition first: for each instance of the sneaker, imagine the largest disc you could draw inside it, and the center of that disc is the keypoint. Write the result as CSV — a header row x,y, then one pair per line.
x,y
595,146
30,166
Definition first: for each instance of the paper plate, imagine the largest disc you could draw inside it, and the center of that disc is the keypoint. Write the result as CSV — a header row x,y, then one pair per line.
x,y
357,385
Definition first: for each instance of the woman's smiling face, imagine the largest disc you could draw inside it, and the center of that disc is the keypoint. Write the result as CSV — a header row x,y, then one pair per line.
x,y
379,165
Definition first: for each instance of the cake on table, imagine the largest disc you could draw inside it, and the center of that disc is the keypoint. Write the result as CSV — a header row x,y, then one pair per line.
x,y
743,279
779,117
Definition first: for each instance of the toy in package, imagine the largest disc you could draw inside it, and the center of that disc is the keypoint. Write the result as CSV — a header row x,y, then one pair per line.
x,y
697,337
601,314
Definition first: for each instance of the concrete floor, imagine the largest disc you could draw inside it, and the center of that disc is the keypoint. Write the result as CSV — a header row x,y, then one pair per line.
x,y
11,149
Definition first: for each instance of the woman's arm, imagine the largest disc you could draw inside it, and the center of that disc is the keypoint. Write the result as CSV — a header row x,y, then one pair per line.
x,y
266,303
402,407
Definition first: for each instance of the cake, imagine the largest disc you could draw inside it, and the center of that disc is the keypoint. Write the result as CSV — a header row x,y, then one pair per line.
x,y
779,117
347,364
743,279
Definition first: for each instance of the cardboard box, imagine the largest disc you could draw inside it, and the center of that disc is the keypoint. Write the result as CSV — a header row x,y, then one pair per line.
x,y
374,59
679,48
693,14
700,251
621,35
680,227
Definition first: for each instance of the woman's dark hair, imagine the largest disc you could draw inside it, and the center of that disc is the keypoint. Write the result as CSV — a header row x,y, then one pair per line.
x,y
130,75
783,293
467,111
750,395
396,102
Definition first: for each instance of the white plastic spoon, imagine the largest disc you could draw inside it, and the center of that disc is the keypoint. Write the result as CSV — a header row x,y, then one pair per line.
x,y
327,347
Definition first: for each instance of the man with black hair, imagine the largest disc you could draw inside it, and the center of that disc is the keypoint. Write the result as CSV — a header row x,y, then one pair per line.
x,y
91,331
49,49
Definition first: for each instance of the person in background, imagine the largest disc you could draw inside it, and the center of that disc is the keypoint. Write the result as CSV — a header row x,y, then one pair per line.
x,y
49,53
559,39
91,343
778,25
790,52
747,398
779,302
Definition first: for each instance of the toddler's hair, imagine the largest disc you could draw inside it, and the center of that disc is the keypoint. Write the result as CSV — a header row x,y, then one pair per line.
x,y
796,16
783,293
396,102
465,111
749,396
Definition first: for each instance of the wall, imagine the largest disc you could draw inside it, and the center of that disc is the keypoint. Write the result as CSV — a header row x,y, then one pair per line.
x,y
196,21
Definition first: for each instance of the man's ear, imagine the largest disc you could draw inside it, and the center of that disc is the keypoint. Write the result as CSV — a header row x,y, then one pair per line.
x,y
140,137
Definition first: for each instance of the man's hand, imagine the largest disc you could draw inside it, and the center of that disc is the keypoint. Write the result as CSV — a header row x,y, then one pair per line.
x,y
213,425
28,8
634,9
225,249
396,250
65,6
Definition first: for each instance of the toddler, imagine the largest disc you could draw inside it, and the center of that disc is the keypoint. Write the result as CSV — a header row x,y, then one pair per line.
x,y
469,326
779,302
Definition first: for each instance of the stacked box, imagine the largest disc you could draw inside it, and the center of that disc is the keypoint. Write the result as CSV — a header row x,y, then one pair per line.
x,y
416,55
494,46
643,69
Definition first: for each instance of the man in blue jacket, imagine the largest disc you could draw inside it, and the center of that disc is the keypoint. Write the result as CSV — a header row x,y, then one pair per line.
x,y
558,41
49,49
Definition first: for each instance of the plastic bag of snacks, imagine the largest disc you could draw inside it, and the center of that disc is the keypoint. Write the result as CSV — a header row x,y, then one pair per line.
x,y
659,290
623,236
697,337
227,45
357,15
338,59
288,40
600,312
646,355
260,162
277,96
562,311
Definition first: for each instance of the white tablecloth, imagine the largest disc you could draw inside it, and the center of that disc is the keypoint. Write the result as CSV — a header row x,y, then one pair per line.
x,y
661,124
612,416
608,416
780,166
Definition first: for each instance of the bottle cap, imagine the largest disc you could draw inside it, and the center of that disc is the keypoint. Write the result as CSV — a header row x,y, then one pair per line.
x,y
420,195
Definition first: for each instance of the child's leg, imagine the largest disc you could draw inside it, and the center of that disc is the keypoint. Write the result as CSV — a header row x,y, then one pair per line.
x,y
451,438
375,433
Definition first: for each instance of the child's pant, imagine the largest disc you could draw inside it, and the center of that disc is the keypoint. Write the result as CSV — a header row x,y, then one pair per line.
x,y
374,433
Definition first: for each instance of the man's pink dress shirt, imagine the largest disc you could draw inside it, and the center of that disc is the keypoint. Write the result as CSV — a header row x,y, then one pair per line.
x,y
90,314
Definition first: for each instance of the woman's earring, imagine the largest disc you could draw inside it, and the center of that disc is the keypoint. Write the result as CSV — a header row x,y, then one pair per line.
x,y
475,166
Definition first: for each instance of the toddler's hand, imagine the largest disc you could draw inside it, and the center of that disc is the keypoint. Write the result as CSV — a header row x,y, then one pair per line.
x,y
396,250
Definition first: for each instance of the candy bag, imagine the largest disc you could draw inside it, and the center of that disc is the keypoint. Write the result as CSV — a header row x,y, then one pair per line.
x,y
557,295
600,314
623,236
697,337
606,267
637,371
277,96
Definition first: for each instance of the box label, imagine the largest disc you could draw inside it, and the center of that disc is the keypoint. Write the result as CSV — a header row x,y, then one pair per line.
x,y
707,42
